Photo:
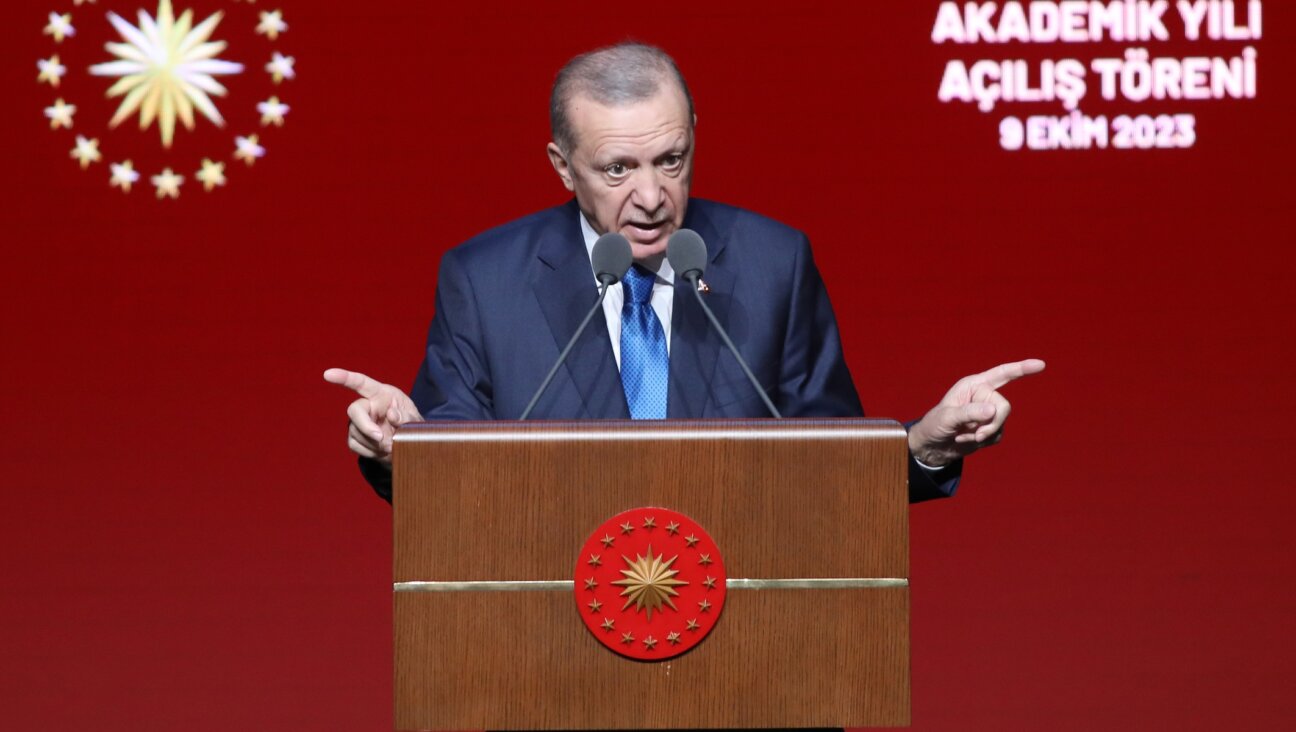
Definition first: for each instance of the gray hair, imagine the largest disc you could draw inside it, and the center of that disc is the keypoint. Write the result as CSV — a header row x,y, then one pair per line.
x,y
621,74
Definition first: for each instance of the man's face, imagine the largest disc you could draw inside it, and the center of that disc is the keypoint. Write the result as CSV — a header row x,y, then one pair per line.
x,y
631,167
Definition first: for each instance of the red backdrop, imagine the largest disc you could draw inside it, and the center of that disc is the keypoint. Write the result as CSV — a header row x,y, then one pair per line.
x,y
184,541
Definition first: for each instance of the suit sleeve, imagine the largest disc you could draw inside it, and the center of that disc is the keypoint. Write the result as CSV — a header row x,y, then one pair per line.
x,y
453,382
815,381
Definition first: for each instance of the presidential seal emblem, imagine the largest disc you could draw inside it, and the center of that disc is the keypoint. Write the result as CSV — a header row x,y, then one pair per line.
x,y
650,583
166,67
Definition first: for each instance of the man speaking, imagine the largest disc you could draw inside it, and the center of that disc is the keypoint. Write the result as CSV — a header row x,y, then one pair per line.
x,y
509,299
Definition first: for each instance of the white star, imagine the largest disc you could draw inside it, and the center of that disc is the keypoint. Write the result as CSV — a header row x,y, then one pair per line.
x,y
167,184
247,149
50,70
272,112
86,151
211,175
271,25
123,175
60,115
60,26
281,67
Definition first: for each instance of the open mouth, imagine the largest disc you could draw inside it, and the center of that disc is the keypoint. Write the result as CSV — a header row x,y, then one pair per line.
x,y
646,229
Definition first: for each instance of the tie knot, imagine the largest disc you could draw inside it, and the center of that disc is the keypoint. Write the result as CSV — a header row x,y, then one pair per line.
x,y
639,284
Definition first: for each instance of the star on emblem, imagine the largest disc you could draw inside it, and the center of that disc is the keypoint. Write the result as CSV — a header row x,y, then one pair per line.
x,y
590,583
60,115
649,583
672,528
709,582
704,606
50,71
272,112
608,624
124,176
211,175
248,149
691,540
607,540
626,528
704,559
271,25
627,638
281,67
60,26
167,183
594,560
692,625
594,606
86,151
673,637
649,642
650,523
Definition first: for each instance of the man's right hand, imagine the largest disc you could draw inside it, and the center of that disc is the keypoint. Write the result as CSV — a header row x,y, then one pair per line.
x,y
375,416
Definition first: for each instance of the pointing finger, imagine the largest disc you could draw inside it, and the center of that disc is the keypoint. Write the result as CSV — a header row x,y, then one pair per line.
x,y
353,380
1008,372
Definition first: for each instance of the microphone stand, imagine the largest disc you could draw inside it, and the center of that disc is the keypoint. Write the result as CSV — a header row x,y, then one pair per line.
x,y
605,283
692,277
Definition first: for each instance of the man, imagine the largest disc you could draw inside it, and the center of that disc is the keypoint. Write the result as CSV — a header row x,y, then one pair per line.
x,y
623,143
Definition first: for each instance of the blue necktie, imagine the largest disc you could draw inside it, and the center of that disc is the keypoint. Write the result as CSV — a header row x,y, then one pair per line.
x,y
645,364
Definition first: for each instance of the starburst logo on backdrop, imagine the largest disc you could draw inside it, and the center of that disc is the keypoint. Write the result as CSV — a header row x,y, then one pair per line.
x,y
166,70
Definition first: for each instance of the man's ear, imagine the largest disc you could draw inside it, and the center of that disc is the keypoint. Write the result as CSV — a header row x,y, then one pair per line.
x,y
560,166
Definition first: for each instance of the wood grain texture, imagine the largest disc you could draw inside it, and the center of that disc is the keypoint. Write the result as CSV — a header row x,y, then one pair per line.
x,y
782,499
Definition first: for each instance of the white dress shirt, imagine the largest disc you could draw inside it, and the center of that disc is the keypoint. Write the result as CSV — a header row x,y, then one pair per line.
x,y
663,295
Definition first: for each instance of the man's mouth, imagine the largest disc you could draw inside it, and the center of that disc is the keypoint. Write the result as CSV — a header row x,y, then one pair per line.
x,y
646,227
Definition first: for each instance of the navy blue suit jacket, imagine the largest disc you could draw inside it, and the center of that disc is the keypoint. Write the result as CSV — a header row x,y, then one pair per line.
x,y
509,299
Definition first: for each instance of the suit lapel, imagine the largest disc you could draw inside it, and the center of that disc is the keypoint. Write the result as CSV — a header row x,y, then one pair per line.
x,y
694,346
564,286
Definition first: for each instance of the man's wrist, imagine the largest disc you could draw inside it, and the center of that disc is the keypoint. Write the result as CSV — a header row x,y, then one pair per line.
x,y
933,468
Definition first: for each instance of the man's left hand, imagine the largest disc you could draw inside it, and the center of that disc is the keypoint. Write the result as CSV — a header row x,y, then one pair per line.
x,y
971,416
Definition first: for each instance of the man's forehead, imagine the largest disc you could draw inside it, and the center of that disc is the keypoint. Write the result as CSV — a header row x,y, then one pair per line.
x,y
631,123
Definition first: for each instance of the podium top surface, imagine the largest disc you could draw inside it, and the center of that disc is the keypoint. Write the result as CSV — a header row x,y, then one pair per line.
x,y
631,430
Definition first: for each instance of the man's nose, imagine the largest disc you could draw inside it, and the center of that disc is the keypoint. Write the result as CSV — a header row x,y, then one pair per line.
x,y
648,193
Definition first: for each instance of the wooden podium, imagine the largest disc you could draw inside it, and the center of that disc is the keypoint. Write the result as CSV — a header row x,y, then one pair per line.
x,y
817,508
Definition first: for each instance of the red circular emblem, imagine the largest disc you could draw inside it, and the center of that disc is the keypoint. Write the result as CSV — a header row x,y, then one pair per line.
x,y
650,583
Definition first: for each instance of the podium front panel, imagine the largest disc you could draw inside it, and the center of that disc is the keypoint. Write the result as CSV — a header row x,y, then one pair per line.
x,y
784,500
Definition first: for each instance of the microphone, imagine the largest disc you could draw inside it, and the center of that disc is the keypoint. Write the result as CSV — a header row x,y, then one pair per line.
x,y
687,256
610,259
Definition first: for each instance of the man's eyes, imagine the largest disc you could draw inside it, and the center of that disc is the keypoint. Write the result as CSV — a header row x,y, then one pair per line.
x,y
669,163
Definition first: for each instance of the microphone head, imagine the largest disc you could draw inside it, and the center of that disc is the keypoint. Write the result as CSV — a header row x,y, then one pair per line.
x,y
611,258
686,253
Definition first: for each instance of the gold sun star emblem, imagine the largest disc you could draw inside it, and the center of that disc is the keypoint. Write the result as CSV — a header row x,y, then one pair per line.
x,y
649,583
166,68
